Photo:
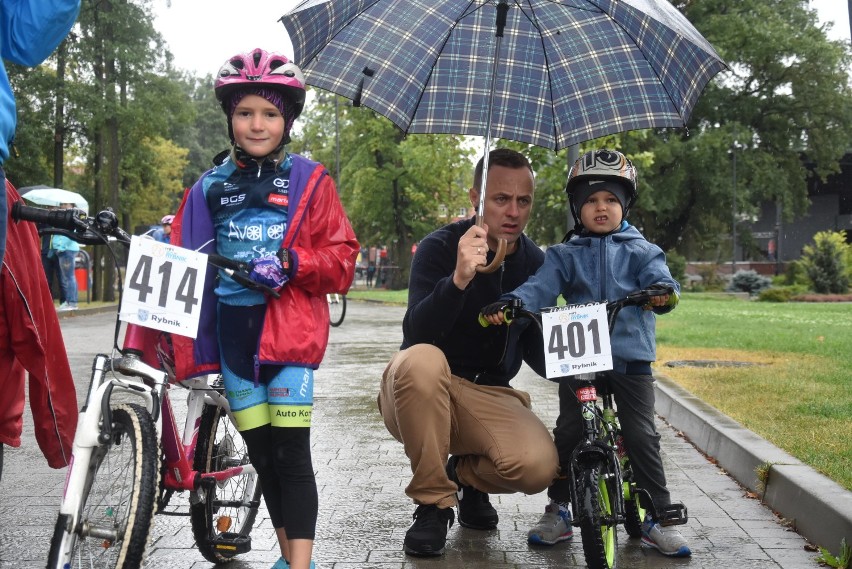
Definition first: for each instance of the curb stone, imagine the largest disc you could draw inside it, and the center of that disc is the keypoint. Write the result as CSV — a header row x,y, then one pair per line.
x,y
820,509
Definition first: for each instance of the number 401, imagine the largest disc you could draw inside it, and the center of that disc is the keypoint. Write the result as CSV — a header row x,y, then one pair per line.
x,y
141,278
572,338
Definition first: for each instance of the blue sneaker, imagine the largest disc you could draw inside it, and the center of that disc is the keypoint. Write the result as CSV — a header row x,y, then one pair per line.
x,y
553,527
282,564
666,540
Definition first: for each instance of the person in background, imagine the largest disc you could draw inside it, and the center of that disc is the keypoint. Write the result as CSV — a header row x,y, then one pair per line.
x,y
29,32
50,262
607,258
164,233
280,214
447,392
66,250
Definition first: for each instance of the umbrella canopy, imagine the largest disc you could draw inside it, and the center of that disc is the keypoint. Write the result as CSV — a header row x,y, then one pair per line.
x,y
44,195
568,71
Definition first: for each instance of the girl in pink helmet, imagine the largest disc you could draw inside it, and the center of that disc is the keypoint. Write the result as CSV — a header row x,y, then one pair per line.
x,y
280,214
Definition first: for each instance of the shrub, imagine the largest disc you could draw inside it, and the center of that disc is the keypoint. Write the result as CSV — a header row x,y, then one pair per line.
x,y
710,279
825,262
794,274
781,293
749,281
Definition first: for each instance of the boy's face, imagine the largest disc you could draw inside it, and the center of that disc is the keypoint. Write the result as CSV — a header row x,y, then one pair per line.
x,y
258,126
601,212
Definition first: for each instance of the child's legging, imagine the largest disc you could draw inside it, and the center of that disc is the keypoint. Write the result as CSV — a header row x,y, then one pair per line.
x,y
274,418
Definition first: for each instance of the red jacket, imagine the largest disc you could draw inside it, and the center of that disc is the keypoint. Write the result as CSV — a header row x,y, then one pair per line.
x,y
31,340
295,328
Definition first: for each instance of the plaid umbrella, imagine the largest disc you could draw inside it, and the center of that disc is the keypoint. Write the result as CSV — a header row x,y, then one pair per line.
x,y
569,70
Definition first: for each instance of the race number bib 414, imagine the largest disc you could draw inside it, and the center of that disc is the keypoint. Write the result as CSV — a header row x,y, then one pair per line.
x,y
162,287
576,340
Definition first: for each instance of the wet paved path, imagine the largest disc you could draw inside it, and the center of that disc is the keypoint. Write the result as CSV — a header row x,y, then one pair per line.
x,y
362,471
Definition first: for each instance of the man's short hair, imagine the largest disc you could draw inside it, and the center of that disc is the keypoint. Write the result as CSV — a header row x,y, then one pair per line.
x,y
505,157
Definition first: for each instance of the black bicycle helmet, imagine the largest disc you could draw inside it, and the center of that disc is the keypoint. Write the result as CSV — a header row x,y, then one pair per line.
x,y
595,166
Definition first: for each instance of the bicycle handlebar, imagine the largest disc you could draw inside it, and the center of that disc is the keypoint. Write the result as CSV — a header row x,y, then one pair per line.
x,y
515,307
77,225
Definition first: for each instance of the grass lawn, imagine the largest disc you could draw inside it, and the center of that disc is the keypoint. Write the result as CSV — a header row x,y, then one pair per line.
x,y
798,392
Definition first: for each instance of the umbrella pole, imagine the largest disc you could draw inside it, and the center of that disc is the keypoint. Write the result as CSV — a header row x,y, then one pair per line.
x,y
502,10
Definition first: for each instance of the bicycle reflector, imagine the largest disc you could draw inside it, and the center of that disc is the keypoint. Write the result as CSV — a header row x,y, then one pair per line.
x,y
224,523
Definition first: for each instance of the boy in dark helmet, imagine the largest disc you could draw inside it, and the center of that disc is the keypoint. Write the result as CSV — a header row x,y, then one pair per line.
x,y
606,258
280,213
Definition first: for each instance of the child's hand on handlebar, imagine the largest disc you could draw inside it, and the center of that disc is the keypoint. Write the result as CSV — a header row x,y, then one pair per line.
x,y
268,271
493,313
661,299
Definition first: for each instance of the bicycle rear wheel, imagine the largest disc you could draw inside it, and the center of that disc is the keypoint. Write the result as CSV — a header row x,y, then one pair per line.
x,y
118,499
224,517
597,498
336,309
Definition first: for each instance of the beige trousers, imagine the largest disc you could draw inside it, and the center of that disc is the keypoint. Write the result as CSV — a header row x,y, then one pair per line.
x,y
503,446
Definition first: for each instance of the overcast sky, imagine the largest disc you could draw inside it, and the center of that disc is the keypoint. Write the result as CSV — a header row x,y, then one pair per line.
x,y
203,34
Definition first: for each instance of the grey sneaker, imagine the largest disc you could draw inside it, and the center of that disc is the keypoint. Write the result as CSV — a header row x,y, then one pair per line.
x,y
553,527
666,540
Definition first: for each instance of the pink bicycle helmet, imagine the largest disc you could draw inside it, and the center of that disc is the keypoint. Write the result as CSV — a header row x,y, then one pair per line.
x,y
167,220
260,68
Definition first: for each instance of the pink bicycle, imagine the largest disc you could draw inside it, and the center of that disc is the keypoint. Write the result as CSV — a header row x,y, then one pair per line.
x,y
129,456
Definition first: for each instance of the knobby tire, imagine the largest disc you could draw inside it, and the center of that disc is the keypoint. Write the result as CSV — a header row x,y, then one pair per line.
x,y
596,495
220,446
119,496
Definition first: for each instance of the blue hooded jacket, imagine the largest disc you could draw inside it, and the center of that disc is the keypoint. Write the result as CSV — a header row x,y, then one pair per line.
x,y
597,268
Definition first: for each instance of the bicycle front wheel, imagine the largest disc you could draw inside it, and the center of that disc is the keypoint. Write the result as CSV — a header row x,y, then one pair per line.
x,y
118,499
336,309
224,517
634,513
597,498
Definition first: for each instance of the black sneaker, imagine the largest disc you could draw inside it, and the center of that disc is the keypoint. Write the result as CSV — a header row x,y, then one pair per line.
x,y
427,536
475,509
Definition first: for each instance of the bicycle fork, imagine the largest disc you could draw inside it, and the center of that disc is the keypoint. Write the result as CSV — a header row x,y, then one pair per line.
x,y
94,429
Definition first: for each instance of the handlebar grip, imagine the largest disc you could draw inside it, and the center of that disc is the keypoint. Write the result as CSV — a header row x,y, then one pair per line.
x,y
236,270
485,323
61,218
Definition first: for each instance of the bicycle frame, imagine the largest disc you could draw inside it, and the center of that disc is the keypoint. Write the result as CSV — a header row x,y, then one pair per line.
x,y
179,449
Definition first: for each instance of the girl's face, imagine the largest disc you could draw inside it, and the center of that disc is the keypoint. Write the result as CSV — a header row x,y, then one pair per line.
x,y
258,126
601,213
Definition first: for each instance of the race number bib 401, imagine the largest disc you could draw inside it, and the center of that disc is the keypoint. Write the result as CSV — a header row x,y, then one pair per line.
x,y
162,287
576,340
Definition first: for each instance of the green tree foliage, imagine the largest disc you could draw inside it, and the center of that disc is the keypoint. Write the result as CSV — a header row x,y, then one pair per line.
x,y
396,189
786,100
825,262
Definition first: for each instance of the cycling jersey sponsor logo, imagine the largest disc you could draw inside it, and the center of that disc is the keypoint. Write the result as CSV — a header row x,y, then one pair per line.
x,y
254,232
278,199
282,183
280,392
229,187
232,200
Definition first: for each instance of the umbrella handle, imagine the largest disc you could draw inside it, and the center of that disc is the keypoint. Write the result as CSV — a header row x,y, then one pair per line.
x,y
496,261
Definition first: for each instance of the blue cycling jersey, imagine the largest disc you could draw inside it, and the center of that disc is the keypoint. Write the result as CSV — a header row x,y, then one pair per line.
x,y
248,206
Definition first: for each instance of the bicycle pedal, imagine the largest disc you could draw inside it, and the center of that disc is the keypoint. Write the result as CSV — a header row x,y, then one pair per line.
x,y
229,544
672,515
